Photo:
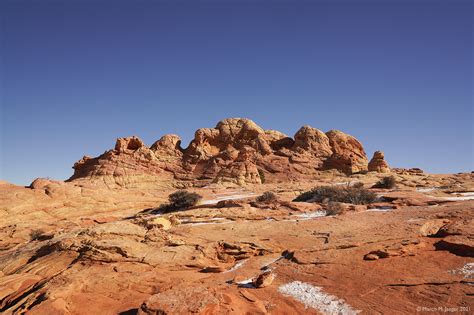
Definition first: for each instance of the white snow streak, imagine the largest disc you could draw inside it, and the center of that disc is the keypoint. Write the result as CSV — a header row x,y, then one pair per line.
x,y
314,297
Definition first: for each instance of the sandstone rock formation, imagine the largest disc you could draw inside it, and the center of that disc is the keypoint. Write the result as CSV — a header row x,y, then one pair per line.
x,y
168,145
237,151
348,155
378,163
77,247
229,260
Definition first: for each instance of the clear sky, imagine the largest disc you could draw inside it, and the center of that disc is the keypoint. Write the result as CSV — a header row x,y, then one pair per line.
x,y
76,74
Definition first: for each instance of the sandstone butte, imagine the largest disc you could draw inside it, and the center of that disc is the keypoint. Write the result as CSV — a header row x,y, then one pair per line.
x,y
237,151
97,243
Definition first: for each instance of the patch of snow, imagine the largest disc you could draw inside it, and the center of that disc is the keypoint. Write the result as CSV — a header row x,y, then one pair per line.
x,y
207,222
426,189
469,194
311,215
380,209
184,221
460,198
467,270
314,297
301,216
267,264
248,283
228,196
236,266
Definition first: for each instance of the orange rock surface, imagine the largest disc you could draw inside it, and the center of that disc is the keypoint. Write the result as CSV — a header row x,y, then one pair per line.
x,y
96,244
235,151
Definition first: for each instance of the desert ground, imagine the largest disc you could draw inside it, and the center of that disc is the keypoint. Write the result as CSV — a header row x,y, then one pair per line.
x,y
98,243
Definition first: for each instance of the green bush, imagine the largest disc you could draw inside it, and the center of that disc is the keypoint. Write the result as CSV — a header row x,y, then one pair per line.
x,y
388,182
267,197
346,194
180,200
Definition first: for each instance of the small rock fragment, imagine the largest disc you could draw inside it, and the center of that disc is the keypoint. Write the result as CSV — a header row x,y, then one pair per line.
x,y
371,257
432,227
264,280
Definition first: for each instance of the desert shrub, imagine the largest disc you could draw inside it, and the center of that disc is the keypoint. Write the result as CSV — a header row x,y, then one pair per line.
x,y
180,200
358,185
165,207
40,235
346,194
261,173
320,194
36,235
335,208
388,182
267,197
358,196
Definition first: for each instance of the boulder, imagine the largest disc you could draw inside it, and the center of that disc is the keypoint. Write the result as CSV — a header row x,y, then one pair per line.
x,y
378,163
264,279
42,183
168,145
238,131
131,143
206,144
431,228
348,155
312,141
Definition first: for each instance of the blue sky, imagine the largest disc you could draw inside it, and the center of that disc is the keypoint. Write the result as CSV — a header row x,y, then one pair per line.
x,y
77,74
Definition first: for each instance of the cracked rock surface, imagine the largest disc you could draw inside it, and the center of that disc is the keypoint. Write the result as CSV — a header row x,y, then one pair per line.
x,y
74,249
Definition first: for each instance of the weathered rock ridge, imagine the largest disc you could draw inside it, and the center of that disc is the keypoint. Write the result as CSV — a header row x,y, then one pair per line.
x,y
237,150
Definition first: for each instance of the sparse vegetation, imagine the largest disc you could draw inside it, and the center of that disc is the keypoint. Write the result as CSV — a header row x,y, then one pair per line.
x,y
358,185
261,173
184,199
36,235
388,182
335,208
180,200
346,194
267,197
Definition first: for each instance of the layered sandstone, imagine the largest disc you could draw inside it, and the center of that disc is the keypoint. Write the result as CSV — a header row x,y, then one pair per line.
x,y
101,256
77,247
378,163
236,151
